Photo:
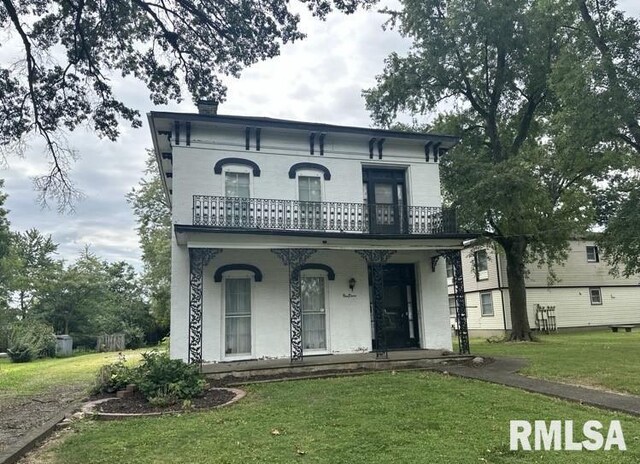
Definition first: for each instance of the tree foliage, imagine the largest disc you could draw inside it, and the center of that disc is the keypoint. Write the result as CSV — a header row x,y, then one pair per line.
x,y
153,215
31,265
70,50
522,175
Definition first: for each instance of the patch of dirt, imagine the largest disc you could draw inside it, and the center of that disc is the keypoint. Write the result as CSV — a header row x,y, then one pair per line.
x,y
20,415
137,404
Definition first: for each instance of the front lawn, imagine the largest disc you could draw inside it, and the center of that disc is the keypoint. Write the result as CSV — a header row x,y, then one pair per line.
x,y
596,358
408,417
32,378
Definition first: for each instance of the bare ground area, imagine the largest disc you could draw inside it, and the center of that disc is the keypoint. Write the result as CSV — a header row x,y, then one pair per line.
x,y
22,414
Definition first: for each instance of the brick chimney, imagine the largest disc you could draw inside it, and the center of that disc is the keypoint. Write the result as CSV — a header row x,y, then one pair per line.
x,y
208,107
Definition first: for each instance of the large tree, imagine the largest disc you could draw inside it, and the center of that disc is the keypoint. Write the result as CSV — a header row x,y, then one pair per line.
x,y
153,215
598,85
68,51
520,176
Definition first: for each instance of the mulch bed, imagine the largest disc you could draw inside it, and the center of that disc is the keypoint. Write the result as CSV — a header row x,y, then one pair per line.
x,y
137,404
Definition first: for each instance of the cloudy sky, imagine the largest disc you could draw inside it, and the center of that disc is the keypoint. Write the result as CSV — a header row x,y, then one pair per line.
x,y
319,79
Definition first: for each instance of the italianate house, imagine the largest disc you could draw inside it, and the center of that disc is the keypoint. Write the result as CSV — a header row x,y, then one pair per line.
x,y
292,239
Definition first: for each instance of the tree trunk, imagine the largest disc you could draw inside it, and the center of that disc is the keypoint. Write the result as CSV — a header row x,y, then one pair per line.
x,y
515,249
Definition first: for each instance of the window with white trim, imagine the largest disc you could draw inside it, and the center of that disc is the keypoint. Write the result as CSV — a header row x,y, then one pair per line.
x,y
237,315
595,295
314,315
486,304
310,196
482,265
592,254
237,190
449,265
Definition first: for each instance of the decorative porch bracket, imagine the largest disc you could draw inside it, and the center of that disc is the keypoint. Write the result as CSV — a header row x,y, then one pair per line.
x,y
455,257
294,258
198,260
376,260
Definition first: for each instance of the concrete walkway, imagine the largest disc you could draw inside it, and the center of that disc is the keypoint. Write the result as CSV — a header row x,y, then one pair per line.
x,y
503,371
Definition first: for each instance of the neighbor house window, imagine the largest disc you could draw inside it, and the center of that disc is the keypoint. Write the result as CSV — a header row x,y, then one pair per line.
x,y
482,266
592,254
314,332
449,271
486,303
596,296
452,306
237,303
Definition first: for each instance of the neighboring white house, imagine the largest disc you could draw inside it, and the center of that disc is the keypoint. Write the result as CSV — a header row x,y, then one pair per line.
x,y
586,294
294,238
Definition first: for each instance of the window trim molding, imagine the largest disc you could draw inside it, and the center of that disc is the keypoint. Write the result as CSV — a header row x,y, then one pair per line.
x,y
306,165
217,169
257,274
331,275
591,297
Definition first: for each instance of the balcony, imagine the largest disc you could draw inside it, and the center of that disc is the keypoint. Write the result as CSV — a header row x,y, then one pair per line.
x,y
335,217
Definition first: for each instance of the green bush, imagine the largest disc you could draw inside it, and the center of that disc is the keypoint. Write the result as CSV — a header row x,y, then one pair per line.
x,y
30,339
160,376
114,377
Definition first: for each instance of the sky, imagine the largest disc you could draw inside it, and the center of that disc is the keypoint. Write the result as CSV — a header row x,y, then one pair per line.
x,y
319,79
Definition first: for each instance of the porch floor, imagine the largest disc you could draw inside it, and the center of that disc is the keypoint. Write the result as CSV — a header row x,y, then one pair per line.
x,y
318,364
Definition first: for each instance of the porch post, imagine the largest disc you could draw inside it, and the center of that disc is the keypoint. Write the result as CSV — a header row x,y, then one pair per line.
x,y
455,257
294,258
376,260
198,259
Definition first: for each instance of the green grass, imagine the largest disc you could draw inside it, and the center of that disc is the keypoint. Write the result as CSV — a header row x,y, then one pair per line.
x,y
596,358
41,375
409,417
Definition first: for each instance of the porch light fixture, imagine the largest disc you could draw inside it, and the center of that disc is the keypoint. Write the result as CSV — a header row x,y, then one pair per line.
x,y
352,283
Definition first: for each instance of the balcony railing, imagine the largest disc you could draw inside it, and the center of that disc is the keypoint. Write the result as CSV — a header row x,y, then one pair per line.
x,y
329,216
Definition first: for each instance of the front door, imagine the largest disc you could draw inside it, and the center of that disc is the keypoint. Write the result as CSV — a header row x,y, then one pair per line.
x,y
399,329
384,192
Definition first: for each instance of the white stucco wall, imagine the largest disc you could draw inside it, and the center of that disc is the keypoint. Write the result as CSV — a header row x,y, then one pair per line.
x,y
348,318
193,168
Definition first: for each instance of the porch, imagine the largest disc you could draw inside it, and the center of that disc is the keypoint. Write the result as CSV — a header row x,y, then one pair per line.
x,y
324,365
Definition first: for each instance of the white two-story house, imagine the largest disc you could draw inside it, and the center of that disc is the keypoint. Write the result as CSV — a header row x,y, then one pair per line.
x,y
584,294
293,239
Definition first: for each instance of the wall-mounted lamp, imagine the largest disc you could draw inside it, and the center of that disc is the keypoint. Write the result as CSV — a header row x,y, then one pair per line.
x,y
352,283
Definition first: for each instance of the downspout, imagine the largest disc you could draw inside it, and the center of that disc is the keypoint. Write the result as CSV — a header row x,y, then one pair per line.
x,y
504,314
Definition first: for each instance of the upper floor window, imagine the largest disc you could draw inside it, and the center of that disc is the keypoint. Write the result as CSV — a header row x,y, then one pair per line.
x,y
237,184
309,188
592,254
482,265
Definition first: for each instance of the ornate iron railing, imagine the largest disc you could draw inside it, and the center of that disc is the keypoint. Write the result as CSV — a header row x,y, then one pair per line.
x,y
326,216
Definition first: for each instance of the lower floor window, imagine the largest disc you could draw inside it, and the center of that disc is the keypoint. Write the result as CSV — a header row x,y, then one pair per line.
x,y
314,331
596,296
452,306
237,316
486,302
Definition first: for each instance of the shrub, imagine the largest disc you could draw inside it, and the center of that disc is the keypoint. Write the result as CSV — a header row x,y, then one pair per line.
x,y
159,376
30,339
113,377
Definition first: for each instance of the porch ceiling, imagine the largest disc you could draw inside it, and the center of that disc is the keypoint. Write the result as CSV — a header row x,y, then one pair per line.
x,y
196,237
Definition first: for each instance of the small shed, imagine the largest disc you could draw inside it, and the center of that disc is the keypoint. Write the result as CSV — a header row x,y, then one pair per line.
x,y
64,345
